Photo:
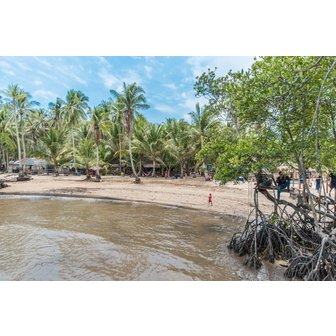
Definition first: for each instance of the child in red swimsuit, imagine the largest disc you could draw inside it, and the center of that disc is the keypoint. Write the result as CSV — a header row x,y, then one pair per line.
x,y
210,200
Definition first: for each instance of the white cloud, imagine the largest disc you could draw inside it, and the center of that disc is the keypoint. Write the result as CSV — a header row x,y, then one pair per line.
x,y
171,86
109,80
6,68
76,78
43,61
200,64
37,82
187,117
189,104
148,71
6,65
164,108
45,94
8,72
69,71
131,76
45,74
23,66
189,101
103,60
66,70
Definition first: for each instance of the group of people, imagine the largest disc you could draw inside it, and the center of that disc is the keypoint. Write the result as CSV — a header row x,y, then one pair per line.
x,y
283,182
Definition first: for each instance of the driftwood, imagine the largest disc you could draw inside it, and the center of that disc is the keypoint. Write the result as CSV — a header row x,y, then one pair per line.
x,y
23,178
3,184
291,233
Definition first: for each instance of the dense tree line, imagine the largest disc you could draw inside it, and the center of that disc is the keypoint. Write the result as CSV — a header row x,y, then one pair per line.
x,y
114,132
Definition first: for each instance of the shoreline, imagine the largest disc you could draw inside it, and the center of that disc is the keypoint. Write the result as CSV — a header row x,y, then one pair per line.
x,y
230,201
225,216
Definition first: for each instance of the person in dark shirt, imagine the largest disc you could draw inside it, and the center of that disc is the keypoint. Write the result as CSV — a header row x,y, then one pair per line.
x,y
332,183
281,183
287,178
318,183
263,180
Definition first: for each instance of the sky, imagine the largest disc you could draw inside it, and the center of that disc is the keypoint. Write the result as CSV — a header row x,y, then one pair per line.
x,y
167,81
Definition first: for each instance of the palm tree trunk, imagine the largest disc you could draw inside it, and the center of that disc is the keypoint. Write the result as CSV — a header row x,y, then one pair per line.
x,y
119,152
97,158
55,166
73,149
24,151
17,138
153,173
137,179
140,166
182,172
7,161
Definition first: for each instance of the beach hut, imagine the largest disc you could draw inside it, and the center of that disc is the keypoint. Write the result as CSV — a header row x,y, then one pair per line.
x,y
33,165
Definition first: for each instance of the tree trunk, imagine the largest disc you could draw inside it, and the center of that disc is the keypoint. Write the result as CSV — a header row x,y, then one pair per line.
x,y
153,173
17,137
55,167
73,149
137,179
24,150
97,161
140,166
182,172
7,161
119,152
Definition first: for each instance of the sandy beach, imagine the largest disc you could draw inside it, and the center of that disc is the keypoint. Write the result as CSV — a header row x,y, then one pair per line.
x,y
230,199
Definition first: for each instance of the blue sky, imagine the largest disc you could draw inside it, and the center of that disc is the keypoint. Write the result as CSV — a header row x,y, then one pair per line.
x,y
167,81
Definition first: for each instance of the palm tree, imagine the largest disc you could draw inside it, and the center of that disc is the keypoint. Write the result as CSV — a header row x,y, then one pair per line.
x,y
202,121
7,143
99,115
86,155
36,127
179,135
24,105
140,127
13,94
54,145
132,99
114,144
153,143
117,109
76,104
57,111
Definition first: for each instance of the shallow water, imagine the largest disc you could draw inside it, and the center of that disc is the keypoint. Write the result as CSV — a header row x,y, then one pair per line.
x,y
71,239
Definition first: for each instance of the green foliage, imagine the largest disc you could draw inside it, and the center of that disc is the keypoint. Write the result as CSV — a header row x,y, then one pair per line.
x,y
53,142
272,107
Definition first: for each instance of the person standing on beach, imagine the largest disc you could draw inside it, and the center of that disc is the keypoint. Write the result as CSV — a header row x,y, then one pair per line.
x,y
332,183
281,183
318,183
210,200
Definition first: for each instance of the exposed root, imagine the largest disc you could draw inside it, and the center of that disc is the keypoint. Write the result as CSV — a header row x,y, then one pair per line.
x,y
291,233
320,266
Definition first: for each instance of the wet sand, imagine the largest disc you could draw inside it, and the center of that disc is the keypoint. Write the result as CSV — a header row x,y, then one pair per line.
x,y
231,199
